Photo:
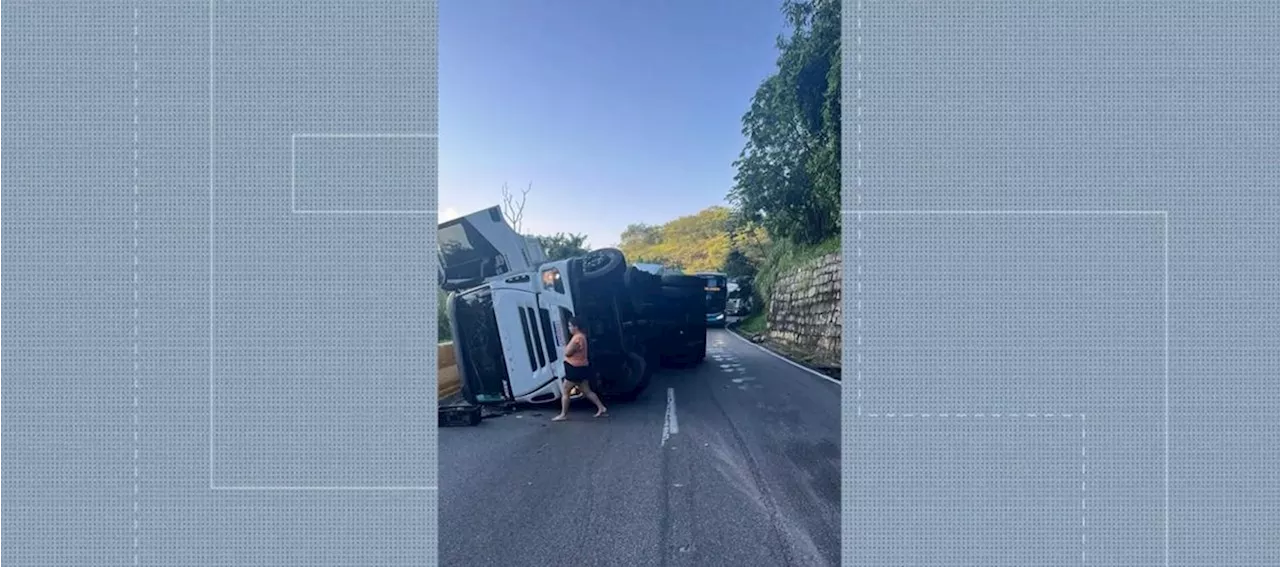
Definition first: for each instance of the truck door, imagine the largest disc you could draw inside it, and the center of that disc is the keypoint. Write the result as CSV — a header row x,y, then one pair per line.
x,y
528,340
555,301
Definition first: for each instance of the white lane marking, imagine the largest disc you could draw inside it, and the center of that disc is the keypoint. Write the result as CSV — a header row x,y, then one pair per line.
x,y
670,425
786,360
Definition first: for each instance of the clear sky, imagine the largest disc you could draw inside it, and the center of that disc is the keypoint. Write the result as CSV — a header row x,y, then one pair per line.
x,y
617,111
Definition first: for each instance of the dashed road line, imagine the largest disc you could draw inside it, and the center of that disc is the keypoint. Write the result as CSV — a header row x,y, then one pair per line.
x,y
670,425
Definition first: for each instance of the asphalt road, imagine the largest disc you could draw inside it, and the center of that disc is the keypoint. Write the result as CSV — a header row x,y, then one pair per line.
x,y
748,474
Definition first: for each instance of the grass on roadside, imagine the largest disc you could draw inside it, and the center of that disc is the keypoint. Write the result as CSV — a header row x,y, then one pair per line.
x,y
753,325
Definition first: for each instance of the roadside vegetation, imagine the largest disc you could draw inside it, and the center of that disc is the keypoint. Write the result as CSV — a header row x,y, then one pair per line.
x,y
788,179
785,201
694,243
754,324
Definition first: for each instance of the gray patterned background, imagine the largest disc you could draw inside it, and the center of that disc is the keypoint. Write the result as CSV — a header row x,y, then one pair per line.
x,y
192,369
980,339
195,374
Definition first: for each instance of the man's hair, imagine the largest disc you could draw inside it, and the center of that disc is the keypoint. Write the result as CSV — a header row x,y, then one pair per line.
x,y
577,324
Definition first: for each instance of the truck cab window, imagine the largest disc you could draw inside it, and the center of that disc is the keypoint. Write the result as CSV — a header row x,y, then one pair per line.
x,y
466,254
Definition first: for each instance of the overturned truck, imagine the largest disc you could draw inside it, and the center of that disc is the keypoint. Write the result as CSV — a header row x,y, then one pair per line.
x,y
509,309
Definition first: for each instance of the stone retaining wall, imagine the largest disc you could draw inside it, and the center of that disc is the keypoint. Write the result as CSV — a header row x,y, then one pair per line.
x,y
804,312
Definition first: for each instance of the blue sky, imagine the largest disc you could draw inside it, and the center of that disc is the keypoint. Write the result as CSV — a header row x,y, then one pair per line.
x,y
616,111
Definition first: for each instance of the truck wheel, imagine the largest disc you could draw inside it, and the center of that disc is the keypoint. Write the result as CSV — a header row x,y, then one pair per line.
x,y
602,263
638,369
701,354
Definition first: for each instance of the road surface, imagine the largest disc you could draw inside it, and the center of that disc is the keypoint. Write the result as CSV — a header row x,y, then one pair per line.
x,y
748,474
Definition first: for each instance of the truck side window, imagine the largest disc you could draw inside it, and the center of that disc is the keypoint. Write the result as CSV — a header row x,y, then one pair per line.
x,y
551,280
565,315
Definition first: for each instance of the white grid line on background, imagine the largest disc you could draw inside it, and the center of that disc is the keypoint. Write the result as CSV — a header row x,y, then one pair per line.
x,y
137,368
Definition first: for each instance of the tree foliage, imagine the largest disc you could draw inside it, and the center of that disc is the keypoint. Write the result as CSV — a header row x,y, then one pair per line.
x,y
698,242
788,176
736,265
560,246
749,238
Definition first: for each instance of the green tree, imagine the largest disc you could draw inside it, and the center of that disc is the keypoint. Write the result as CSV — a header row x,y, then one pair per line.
x,y
736,265
749,238
788,176
560,246
641,235
697,242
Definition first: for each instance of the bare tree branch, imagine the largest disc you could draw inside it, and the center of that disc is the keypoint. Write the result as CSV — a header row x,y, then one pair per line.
x,y
513,210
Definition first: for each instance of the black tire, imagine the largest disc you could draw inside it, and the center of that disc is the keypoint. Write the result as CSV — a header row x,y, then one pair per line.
x,y
696,357
636,363
603,263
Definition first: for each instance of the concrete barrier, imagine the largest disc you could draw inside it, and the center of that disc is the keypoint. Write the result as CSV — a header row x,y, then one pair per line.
x,y
447,379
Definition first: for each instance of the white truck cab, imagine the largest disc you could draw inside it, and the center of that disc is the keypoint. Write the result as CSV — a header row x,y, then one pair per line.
x,y
482,247
510,310
510,334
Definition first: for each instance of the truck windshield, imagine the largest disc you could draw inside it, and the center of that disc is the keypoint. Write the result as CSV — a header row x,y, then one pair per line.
x,y
465,254
476,330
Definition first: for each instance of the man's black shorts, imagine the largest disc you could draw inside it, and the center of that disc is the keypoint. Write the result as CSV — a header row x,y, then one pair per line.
x,y
576,374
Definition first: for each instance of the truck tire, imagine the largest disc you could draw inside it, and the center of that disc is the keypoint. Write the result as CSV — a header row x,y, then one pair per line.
x,y
603,263
636,364
701,353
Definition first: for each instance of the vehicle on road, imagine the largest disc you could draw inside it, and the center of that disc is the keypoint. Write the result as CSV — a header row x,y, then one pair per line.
x,y
739,301
715,285
509,309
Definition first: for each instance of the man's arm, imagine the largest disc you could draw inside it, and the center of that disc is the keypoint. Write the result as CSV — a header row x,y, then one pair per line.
x,y
573,347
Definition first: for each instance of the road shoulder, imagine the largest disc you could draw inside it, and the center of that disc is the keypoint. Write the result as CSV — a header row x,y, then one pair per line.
x,y
826,371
